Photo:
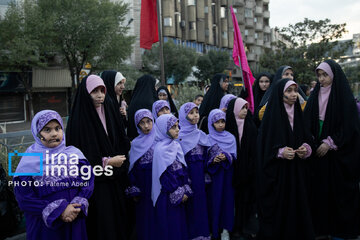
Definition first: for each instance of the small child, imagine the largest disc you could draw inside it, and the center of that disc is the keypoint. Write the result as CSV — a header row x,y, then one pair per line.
x,y
198,99
170,185
159,108
194,143
222,153
57,207
140,174
225,101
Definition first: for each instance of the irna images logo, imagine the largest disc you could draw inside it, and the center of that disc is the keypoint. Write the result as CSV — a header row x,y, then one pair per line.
x,y
16,153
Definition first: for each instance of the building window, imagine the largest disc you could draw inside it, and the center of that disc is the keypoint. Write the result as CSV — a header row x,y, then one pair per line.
x,y
248,13
225,35
255,20
167,22
191,2
267,37
192,25
246,32
222,12
206,32
235,10
256,36
206,9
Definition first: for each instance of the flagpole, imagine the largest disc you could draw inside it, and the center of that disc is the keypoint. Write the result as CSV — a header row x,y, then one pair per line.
x,y
161,41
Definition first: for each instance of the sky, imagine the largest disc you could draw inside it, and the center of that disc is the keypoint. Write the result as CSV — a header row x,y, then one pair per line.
x,y
285,12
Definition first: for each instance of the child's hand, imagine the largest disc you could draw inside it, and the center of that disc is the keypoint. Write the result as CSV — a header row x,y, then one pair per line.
x,y
217,159
288,153
71,212
117,161
222,157
301,152
322,150
185,198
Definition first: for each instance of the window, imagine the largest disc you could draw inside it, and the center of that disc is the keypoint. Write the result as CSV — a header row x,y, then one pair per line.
x,y
248,13
167,22
255,20
206,9
222,12
225,35
207,32
256,36
192,25
235,10
191,2
246,32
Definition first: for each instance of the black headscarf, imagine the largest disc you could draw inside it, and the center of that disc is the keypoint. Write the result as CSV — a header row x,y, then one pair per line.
x,y
211,100
144,95
281,184
258,93
335,176
173,109
278,77
244,168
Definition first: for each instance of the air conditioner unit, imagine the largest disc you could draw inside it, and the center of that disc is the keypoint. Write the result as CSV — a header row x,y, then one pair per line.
x,y
182,24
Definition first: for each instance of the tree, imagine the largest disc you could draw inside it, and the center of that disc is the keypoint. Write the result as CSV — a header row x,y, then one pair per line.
x,y
312,42
178,61
211,63
19,46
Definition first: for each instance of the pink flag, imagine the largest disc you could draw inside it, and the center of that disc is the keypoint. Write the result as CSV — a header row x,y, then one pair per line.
x,y
239,54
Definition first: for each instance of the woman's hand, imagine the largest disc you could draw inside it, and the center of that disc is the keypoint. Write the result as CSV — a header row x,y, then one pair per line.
x,y
117,161
301,152
288,153
71,212
322,150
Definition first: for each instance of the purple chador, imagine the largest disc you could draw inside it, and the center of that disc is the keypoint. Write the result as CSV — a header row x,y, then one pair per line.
x,y
44,204
140,175
194,143
169,183
220,190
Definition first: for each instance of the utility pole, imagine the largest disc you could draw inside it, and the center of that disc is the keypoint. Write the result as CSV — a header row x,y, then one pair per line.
x,y
161,41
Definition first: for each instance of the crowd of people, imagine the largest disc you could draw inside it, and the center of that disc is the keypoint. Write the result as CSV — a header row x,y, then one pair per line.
x,y
289,170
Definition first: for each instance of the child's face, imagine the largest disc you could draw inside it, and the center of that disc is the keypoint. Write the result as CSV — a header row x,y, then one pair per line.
x,y
174,131
164,110
52,134
119,88
198,101
193,116
98,96
146,125
290,94
324,79
162,96
288,74
219,125
243,112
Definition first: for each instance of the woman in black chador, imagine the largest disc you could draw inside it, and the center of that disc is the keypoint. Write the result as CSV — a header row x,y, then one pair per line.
x,y
164,94
332,118
92,127
212,98
240,123
282,152
144,95
260,86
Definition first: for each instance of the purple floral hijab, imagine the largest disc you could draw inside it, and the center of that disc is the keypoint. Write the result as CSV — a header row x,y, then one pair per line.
x,y
157,106
30,164
166,151
142,143
225,100
190,135
225,140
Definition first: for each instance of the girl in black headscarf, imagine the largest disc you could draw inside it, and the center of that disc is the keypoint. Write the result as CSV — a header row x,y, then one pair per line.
x,y
261,84
212,98
242,126
115,84
283,149
92,127
332,118
164,94
144,95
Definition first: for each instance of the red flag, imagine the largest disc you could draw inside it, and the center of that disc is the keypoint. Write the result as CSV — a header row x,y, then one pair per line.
x,y
148,24
239,54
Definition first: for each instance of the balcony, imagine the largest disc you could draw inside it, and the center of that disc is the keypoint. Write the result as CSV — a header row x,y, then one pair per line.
x,y
249,22
259,27
251,56
266,14
266,1
267,44
223,3
258,11
267,29
239,3
240,17
249,40
260,42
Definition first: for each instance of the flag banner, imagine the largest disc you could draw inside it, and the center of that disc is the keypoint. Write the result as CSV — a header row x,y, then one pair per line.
x,y
148,24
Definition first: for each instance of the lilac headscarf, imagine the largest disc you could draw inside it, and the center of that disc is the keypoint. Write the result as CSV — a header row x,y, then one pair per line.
x,y
239,104
93,82
166,151
142,143
190,135
324,92
225,100
157,106
32,164
290,108
225,140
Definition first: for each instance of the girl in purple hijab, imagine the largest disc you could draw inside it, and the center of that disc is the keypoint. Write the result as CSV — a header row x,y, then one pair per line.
x,y
221,155
194,143
170,185
55,203
140,174
225,101
160,107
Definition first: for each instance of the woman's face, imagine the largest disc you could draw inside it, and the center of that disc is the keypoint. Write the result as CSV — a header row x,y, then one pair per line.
x,y
98,96
324,79
225,84
288,74
162,96
52,134
174,131
219,125
164,110
146,125
193,116
119,88
243,112
264,83
290,94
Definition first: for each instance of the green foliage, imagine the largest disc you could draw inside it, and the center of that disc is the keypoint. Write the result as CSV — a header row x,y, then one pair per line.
x,y
211,63
178,61
186,93
313,42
